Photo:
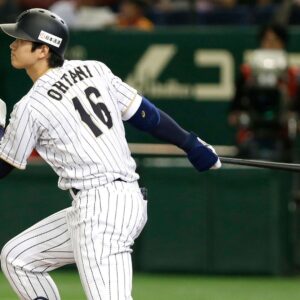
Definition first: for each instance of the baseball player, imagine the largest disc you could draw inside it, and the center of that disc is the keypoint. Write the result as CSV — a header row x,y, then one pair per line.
x,y
73,116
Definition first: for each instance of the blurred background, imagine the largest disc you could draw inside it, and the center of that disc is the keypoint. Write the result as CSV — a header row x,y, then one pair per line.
x,y
228,70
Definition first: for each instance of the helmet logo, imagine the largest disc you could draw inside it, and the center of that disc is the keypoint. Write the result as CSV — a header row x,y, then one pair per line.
x,y
50,38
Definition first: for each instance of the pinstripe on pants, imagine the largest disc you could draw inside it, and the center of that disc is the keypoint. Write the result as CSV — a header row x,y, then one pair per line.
x,y
96,233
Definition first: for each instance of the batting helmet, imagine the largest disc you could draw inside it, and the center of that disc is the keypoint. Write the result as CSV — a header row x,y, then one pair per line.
x,y
41,26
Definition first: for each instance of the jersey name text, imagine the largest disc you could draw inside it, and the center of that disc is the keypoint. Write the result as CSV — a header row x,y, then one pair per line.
x,y
68,80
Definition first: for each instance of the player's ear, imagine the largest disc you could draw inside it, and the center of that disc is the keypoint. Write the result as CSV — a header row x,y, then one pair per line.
x,y
44,51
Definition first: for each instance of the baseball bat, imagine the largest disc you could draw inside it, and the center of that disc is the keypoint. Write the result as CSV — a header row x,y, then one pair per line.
x,y
261,164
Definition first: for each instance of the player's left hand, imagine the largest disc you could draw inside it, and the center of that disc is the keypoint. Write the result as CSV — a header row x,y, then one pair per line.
x,y
203,156
2,113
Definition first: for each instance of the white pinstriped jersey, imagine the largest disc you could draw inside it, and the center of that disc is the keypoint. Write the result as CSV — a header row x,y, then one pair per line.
x,y
73,117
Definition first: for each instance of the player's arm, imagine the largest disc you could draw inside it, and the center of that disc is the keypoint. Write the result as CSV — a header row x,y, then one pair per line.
x,y
5,168
153,120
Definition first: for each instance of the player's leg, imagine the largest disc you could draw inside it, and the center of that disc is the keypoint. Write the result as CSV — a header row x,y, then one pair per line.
x,y
27,258
104,224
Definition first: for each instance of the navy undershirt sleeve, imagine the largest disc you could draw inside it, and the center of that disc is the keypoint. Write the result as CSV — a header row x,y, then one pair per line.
x,y
170,131
2,130
5,168
160,125
146,117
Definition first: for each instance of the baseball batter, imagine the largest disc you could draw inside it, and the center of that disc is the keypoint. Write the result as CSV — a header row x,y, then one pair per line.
x,y
73,116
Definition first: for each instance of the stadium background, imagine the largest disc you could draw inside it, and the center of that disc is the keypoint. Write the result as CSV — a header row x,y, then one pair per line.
x,y
225,224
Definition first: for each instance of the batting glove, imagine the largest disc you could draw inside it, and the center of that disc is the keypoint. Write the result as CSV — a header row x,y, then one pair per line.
x,y
2,113
202,155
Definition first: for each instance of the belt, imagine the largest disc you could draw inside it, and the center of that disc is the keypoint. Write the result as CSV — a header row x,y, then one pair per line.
x,y
76,191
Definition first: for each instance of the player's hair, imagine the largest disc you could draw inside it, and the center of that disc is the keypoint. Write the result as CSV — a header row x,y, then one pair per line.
x,y
279,30
54,59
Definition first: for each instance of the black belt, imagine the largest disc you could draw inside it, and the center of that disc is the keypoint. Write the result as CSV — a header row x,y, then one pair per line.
x,y
75,191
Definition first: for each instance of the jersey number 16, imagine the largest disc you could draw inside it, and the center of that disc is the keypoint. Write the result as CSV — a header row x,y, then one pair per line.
x,y
99,109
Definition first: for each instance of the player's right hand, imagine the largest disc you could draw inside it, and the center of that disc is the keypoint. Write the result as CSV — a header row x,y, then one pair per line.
x,y
2,113
202,155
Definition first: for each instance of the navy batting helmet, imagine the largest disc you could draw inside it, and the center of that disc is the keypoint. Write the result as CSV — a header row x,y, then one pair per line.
x,y
41,26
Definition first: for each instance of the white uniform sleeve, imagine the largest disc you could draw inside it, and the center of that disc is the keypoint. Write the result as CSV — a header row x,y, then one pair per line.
x,y
20,136
128,98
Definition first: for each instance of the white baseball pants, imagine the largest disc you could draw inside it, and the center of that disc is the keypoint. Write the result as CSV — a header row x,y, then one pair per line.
x,y
96,233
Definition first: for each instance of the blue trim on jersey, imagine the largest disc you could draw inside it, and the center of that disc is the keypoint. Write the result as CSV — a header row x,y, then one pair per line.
x,y
147,116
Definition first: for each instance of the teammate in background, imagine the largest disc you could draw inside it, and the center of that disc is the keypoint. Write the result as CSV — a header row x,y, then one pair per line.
x,y
73,116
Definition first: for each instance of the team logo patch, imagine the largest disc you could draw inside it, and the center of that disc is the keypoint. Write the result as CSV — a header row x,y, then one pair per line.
x,y
50,38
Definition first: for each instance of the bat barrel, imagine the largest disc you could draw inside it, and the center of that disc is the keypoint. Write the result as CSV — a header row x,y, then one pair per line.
x,y
261,164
